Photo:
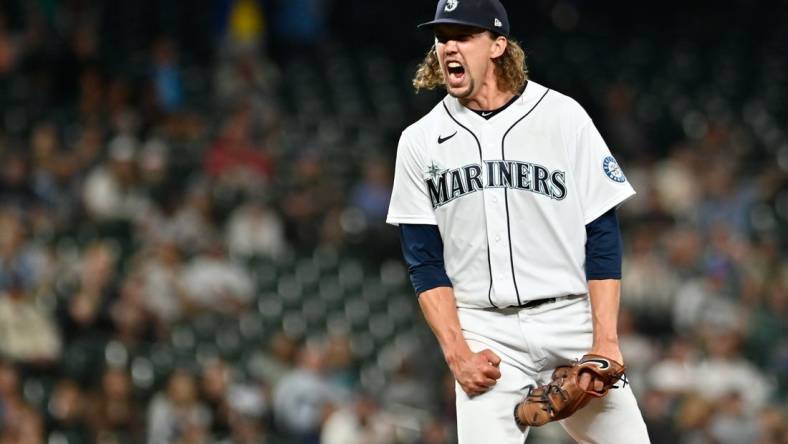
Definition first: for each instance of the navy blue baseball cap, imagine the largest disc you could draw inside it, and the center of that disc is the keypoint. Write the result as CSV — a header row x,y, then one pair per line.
x,y
485,14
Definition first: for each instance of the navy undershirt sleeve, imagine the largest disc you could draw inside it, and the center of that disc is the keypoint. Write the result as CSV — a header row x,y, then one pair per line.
x,y
603,247
422,248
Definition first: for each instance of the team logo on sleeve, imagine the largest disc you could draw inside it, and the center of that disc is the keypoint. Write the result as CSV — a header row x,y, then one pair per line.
x,y
612,170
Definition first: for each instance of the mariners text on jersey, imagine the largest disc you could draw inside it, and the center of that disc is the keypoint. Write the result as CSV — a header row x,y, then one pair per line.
x,y
446,185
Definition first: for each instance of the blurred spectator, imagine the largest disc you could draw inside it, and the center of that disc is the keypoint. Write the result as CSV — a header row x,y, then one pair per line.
x,y
658,410
57,174
124,117
21,260
277,361
676,372
91,101
676,182
153,166
625,132
768,331
692,419
24,425
15,187
176,414
10,393
116,416
244,76
68,413
245,23
215,384
726,203
19,422
299,25
434,432
725,371
213,282
341,369
361,422
255,229
310,198
235,159
111,191
304,396
773,429
84,310
9,52
133,323
248,410
166,75
160,268
407,391
188,220
733,423
373,193
638,350
650,284
27,334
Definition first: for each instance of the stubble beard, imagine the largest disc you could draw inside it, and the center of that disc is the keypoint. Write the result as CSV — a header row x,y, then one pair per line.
x,y
462,94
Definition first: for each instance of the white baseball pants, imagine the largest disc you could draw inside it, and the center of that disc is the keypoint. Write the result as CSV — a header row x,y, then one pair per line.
x,y
531,343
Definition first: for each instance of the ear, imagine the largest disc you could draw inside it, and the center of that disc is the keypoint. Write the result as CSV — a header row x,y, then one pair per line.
x,y
498,47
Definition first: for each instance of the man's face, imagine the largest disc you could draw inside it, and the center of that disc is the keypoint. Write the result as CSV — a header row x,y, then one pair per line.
x,y
465,55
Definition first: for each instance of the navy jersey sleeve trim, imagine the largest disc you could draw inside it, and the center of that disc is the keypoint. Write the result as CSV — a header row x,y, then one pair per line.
x,y
422,248
603,247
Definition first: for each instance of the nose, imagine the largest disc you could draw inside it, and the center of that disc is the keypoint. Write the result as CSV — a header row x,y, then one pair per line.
x,y
450,46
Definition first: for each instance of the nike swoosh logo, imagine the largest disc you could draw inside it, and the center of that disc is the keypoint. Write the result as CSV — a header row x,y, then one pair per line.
x,y
602,364
485,114
443,139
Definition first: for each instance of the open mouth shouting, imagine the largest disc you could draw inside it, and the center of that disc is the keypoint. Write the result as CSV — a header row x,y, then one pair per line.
x,y
456,73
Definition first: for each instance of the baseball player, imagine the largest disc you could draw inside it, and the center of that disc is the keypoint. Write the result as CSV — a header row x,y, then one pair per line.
x,y
505,197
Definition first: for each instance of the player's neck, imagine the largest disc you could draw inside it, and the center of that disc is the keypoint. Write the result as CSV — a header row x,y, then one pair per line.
x,y
488,98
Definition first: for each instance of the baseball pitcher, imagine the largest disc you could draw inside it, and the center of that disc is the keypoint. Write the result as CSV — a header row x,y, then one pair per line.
x,y
505,195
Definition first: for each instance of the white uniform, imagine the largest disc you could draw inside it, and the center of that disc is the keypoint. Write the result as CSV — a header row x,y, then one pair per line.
x,y
511,197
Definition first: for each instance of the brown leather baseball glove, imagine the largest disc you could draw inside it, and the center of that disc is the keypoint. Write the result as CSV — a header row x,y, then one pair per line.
x,y
563,396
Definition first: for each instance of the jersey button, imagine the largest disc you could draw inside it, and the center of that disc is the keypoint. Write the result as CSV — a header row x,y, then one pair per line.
x,y
495,199
497,238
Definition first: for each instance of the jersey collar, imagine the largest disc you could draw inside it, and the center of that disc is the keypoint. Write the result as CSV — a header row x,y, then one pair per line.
x,y
532,93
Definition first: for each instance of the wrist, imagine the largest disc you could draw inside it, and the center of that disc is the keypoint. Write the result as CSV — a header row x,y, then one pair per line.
x,y
456,355
610,350
606,340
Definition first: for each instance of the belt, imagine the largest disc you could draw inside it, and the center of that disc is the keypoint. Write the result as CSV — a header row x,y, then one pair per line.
x,y
538,302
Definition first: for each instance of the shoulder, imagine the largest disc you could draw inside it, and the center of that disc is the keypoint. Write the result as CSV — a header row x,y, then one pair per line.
x,y
558,103
428,122
422,130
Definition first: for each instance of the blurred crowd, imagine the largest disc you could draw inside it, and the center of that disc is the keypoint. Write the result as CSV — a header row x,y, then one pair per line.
x,y
147,195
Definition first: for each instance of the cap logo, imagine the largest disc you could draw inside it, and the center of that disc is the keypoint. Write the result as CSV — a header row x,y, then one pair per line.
x,y
451,5
498,23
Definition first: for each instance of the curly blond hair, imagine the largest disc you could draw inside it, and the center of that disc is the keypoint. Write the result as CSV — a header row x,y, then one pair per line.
x,y
510,68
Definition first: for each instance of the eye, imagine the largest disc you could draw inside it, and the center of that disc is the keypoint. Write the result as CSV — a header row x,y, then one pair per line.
x,y
442,38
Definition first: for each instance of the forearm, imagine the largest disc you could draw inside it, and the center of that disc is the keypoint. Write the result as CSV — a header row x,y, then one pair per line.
x,y
440,310
605,295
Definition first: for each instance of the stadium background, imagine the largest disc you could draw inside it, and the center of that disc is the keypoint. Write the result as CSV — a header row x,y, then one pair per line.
x,y
192,197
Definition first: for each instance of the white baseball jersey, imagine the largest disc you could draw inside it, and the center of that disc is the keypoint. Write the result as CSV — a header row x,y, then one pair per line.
x,y
510,195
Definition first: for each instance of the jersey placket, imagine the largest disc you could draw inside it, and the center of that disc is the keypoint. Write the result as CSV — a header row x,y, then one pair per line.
x,y
503,291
